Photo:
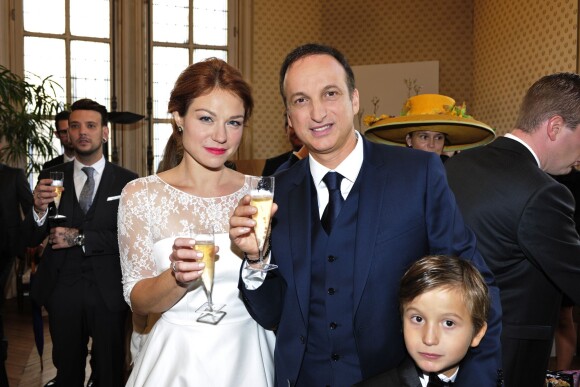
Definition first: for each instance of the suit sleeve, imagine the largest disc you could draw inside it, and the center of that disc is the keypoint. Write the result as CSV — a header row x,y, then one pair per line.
x,y
32,233
25,200
448,234
24,193
548,237
265,303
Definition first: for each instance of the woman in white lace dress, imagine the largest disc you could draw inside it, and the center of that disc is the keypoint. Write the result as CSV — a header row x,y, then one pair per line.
x,y
210,104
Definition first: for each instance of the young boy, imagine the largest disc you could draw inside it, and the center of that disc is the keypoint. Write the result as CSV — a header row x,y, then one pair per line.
x,y
444,303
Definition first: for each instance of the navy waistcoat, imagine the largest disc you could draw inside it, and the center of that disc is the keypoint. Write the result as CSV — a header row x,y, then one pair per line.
x,y
331,358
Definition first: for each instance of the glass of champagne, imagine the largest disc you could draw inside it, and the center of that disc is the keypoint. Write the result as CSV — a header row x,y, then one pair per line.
x,y
205,242
58,183
262,194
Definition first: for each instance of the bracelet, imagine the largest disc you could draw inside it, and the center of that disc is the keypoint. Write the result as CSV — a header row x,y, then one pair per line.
x,y
80,239
252,261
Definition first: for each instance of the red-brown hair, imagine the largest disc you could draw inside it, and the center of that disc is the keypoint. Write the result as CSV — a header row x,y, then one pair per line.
x,y
203,77
195,81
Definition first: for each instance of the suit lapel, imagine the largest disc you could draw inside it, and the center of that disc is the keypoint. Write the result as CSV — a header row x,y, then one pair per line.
x,y
69,196
299,204
408,373
373,181
102,190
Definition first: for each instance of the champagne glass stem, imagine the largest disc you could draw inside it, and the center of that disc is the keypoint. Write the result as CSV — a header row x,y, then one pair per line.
x,y
209,301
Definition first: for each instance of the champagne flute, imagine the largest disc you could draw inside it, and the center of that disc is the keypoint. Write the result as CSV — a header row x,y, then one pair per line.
x,y
58,183
205,242
262,197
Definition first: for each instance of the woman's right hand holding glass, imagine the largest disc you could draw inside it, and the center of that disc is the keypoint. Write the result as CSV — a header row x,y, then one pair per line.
x,y
186,262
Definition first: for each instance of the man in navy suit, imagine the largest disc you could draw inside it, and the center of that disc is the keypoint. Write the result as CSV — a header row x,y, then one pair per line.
x,y
333,298
524,221
79,276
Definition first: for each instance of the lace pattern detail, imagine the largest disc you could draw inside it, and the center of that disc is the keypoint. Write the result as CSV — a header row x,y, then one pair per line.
x,y
151,210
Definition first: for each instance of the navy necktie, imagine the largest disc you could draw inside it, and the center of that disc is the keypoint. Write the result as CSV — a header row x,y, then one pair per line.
x,y
335,200
86,196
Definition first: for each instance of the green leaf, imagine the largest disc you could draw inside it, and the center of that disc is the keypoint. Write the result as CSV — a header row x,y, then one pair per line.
x,y
27,106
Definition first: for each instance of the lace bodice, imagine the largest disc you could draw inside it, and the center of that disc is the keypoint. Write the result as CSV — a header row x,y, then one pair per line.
x,y
151,211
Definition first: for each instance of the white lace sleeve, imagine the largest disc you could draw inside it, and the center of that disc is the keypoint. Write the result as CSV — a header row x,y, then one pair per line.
x,y
135,239
152,214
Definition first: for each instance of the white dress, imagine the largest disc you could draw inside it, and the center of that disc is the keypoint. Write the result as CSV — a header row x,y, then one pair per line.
x,y
180,351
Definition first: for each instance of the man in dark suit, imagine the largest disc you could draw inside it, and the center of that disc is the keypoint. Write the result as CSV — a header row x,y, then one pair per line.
x,y
287,158
79,276
523,220
333,298
61,131
15,199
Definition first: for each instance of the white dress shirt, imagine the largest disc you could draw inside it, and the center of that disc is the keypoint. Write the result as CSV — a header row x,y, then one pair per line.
x,y
349,169
425,378
80,177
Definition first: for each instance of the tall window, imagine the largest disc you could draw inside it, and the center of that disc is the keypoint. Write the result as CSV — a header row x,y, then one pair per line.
x,y
70,40
184,32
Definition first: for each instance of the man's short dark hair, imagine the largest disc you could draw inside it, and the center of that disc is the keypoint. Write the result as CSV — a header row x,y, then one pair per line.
x,y
316,49
89,104
61,116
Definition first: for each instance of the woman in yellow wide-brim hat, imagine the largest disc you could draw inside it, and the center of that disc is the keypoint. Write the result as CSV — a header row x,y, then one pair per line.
x,y
430,122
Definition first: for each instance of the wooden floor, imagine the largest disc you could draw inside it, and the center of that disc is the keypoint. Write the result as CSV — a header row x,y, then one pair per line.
x,y
23,365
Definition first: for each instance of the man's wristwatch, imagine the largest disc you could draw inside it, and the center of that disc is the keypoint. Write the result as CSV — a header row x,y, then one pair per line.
x,y
80,239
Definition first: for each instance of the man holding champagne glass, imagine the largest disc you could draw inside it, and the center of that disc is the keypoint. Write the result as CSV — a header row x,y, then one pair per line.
x,y
79,277
347,222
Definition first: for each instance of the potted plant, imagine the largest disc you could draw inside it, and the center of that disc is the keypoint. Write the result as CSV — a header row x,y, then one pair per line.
x,y
26,111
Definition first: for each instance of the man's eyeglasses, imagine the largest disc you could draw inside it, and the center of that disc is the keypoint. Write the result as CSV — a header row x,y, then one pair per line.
x,y
62,132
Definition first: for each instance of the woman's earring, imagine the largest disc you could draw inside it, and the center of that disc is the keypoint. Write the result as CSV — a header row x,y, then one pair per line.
x,y
179,128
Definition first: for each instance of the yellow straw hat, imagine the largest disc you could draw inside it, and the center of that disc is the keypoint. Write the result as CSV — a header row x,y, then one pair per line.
x,y
436,113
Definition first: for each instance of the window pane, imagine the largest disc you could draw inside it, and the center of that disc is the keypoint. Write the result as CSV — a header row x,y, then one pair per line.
x,y
171,21
200,54
46,57
44,16
162,132
168,63
210,22
90,71
89,18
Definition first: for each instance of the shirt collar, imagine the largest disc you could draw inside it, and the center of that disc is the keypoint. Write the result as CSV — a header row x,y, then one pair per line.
x,y
509,135
349,167
99,166
425,377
